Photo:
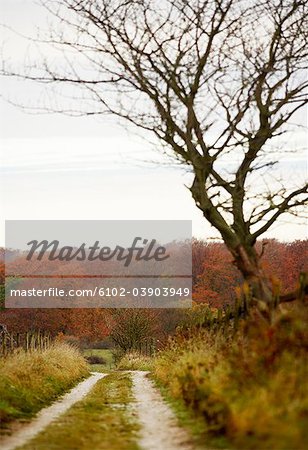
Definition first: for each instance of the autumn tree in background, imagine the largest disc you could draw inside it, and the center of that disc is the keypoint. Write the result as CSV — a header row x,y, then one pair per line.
x,y
217,280
217,82
199,255
86,325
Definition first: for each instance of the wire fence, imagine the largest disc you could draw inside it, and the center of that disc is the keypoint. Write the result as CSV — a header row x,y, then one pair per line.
x,y
28,341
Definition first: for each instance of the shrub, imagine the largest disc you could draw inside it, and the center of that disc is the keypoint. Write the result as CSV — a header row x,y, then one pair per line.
x,y
131,328
95,359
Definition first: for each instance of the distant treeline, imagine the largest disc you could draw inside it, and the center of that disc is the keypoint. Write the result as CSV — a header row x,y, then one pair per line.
x,y
215,281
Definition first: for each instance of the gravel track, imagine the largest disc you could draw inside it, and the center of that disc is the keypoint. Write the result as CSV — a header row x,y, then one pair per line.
x,y
49,414
159,427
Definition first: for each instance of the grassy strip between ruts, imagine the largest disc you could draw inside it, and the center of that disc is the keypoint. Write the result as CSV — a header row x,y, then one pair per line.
x,y
30,381
104,420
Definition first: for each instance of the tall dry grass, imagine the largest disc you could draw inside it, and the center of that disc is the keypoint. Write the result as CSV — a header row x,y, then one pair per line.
x,y
30,380
135,361
249,386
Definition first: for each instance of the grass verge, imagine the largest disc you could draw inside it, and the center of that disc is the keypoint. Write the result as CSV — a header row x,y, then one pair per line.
x,y
247,388
29,381
103,420
193,424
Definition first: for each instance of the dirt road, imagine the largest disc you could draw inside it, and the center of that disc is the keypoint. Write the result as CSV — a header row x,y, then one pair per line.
x,y
49,414
157,426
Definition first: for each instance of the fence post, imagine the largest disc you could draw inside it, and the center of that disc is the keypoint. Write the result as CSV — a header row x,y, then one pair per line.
x,y
27,341
3,344
302,286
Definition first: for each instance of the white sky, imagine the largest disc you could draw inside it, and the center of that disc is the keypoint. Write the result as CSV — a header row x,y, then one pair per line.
x,y
56,167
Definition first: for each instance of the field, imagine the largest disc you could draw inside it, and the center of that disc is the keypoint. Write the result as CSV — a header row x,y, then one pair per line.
x,y
100,360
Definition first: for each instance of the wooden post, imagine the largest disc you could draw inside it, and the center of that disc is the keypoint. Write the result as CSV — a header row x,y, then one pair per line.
x,y
27,341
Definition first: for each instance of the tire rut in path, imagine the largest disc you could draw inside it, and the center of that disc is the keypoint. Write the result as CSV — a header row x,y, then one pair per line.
x,y
49,414
159,428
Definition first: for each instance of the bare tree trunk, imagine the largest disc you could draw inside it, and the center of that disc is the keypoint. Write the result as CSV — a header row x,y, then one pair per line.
x,y
247,261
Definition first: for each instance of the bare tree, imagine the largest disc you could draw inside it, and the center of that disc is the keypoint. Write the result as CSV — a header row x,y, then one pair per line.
x,y
132,328
218,82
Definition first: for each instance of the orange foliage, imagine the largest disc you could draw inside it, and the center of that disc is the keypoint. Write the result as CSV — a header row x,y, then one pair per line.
x,y
215,279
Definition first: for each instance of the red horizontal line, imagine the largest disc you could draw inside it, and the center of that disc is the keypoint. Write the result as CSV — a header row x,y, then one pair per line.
x,y
98,276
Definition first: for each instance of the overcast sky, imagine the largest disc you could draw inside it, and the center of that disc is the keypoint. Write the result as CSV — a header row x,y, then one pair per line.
x,y
56,167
